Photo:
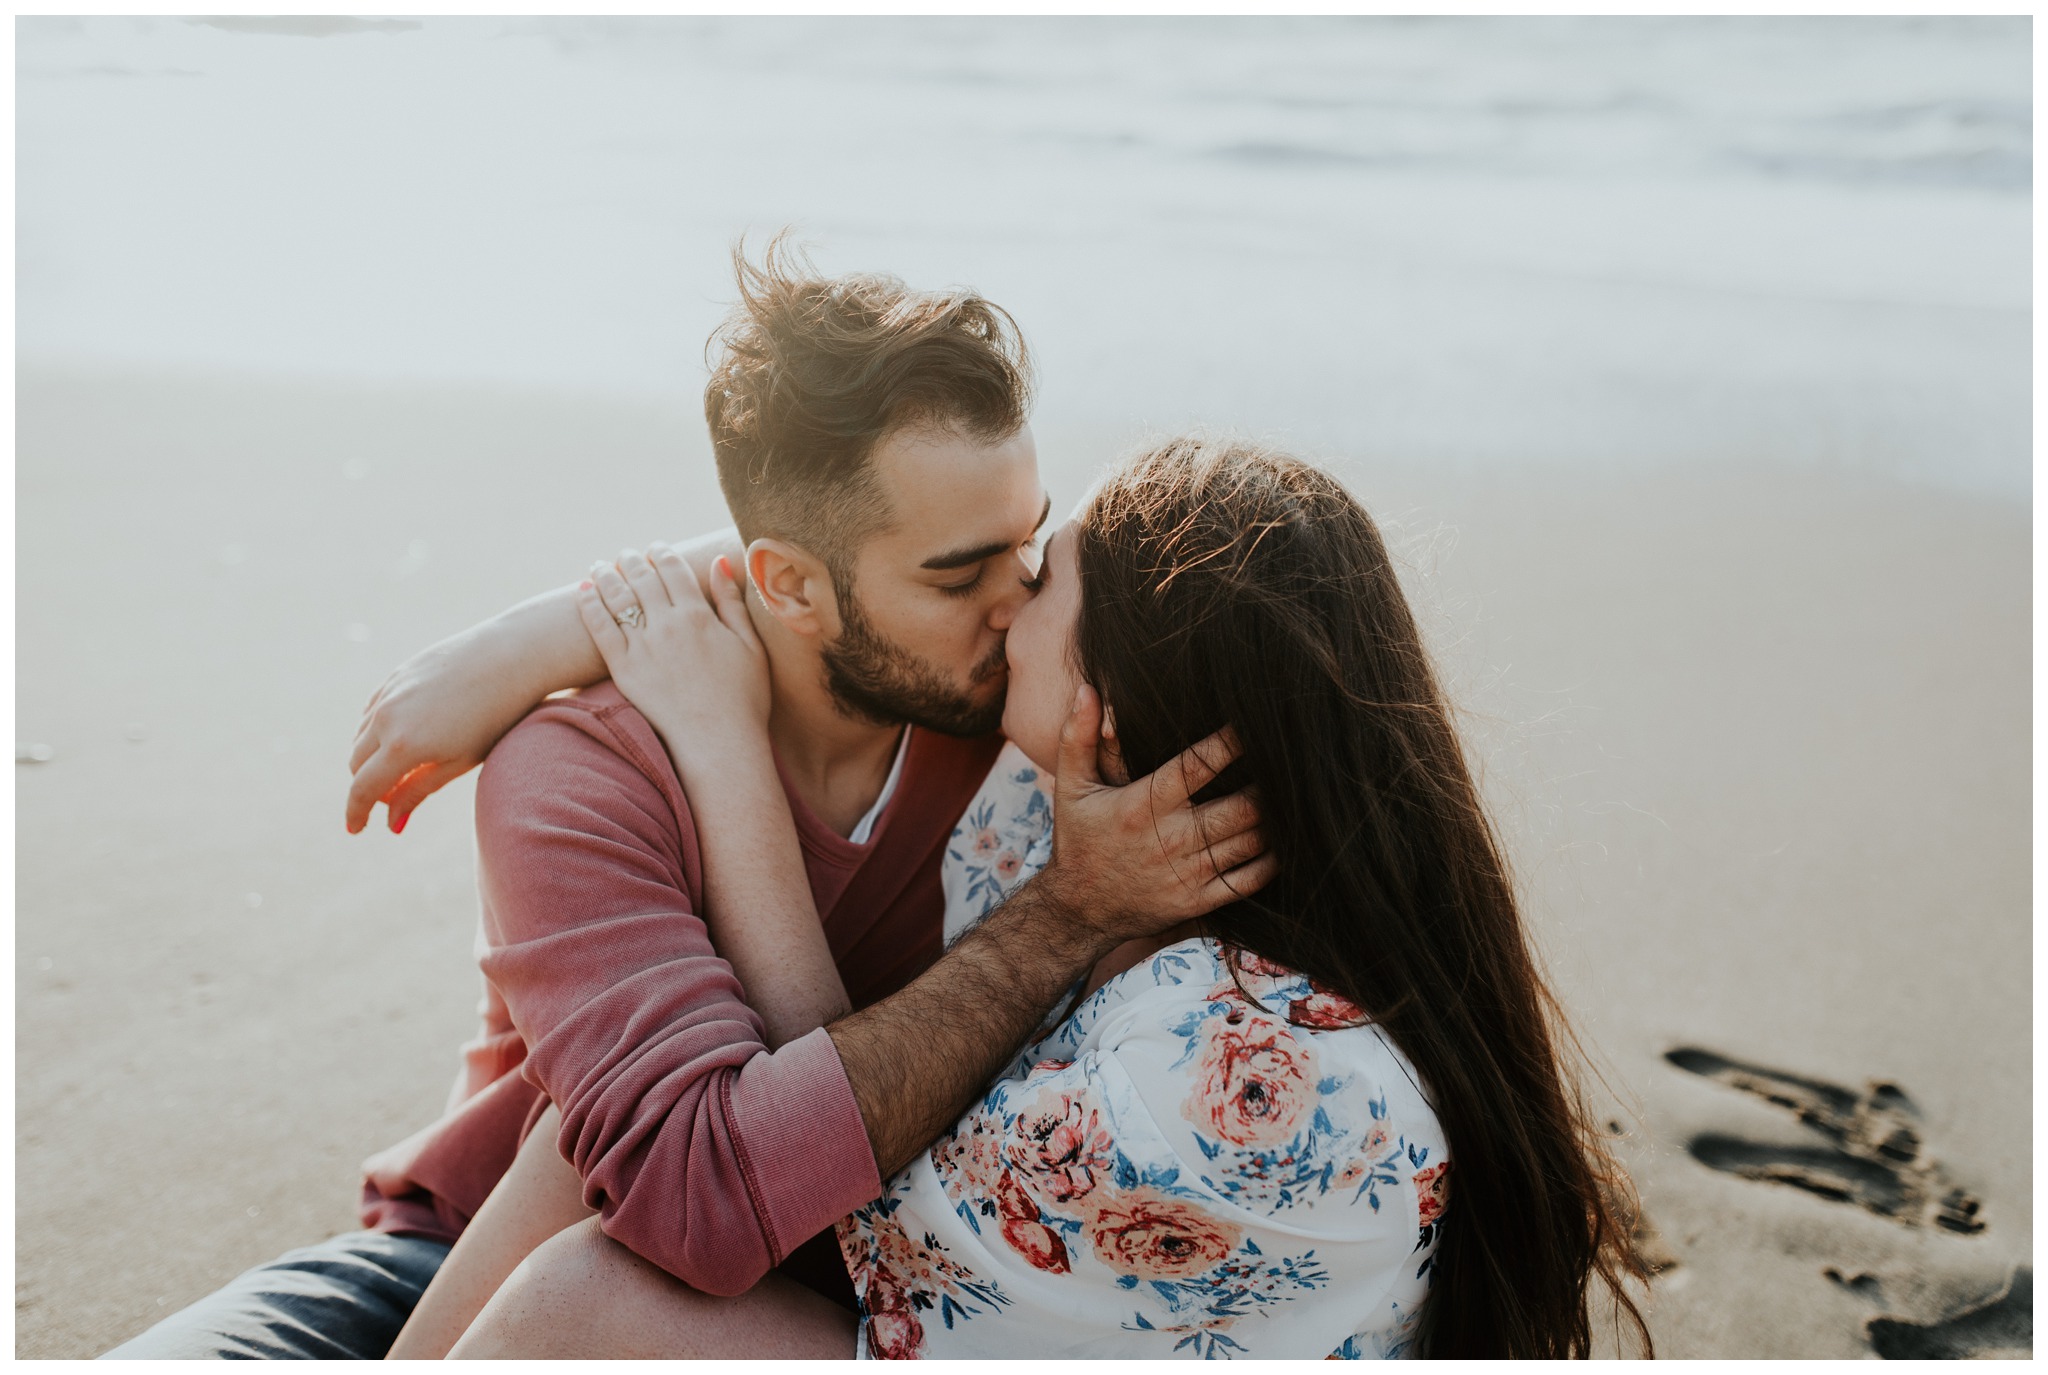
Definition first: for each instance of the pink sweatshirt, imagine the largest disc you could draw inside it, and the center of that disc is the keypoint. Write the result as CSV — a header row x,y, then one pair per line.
x,y
706,1153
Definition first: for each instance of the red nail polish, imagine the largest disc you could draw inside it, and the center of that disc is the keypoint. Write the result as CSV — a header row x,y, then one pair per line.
x,y
398,826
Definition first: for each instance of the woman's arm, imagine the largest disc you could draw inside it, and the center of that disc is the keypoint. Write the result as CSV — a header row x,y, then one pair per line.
x,y
539,1196
441,711
697,672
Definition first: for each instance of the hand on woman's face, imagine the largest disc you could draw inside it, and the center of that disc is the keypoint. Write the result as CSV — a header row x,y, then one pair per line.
x,y
1040,647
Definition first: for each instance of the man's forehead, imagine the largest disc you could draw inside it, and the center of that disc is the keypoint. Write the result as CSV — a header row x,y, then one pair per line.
x,y
948,493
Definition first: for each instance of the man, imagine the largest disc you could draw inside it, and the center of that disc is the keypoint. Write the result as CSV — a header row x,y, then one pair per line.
x,y
871,443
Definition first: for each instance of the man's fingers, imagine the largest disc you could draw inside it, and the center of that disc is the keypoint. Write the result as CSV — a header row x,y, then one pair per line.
x,y
417,786
1079,738
1232,851
1110,757
1226,816
600,621
1239,883
1195,767
646,583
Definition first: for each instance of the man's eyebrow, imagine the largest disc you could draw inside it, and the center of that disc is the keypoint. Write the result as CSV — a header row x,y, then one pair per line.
x,y
960,558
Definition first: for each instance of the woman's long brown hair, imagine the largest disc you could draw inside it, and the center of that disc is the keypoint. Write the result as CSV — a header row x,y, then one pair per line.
x,y
1227,583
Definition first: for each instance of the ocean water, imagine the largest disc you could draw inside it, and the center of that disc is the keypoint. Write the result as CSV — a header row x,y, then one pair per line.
x,y
1468,242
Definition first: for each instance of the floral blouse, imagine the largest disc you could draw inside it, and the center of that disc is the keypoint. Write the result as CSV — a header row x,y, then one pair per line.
x,y
1211,1157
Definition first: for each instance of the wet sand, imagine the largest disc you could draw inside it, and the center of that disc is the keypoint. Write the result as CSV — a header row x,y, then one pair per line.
x,y
1759,743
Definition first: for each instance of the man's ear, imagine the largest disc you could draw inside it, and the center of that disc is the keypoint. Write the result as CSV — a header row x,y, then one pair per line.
x,y
794,586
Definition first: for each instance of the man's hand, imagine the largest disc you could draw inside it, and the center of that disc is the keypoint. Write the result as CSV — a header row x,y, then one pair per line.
x,y
1132,861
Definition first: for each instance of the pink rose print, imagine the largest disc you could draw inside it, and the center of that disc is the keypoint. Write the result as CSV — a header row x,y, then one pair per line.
x,y
986,841
1259,964
1013,1202
969,1162
1154,1237
1431,1191
1324,1010
1229,992
1061,1146
895,1335
1256,1086
1028,1237
1007,865
1038,1244
1351,1173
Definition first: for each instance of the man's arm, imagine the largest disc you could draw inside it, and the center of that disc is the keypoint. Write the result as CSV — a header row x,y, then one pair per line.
x,y
1127,862
704,1152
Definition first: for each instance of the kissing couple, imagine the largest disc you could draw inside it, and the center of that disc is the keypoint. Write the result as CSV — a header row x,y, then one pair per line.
x,y
929,934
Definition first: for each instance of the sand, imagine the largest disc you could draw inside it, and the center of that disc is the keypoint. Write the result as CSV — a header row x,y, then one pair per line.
x,y
1758,741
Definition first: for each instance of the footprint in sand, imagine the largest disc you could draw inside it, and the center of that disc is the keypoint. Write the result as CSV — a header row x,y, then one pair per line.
x,y
1868,1152
2002,1326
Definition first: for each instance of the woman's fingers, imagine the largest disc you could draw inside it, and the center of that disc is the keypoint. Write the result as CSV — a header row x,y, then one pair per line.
x,y
416,787
645,582
378,775
600,620
365,746
674,571
726,597
616,596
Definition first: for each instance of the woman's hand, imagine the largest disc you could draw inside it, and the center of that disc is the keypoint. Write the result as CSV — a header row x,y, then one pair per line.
x,y
438,714
696,670
441,711
693,667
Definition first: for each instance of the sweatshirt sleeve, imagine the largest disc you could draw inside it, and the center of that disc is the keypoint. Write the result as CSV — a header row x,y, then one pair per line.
x,y
704,1152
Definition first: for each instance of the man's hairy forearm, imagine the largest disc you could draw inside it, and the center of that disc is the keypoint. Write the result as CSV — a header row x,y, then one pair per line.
x,y
919,1057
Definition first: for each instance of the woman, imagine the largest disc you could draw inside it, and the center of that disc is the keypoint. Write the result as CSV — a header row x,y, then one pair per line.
x,y
1332,1118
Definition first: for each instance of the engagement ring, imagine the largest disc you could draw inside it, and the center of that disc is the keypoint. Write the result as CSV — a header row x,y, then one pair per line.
x,y
631,617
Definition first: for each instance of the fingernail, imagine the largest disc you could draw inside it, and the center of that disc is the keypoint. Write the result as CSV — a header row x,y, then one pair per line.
x,y
724,567
398,826
585,585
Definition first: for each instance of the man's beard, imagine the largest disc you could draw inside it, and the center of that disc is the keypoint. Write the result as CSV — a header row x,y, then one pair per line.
x,y
880,681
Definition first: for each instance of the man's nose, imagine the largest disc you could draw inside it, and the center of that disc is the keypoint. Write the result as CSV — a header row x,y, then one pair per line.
x,y
1006,607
